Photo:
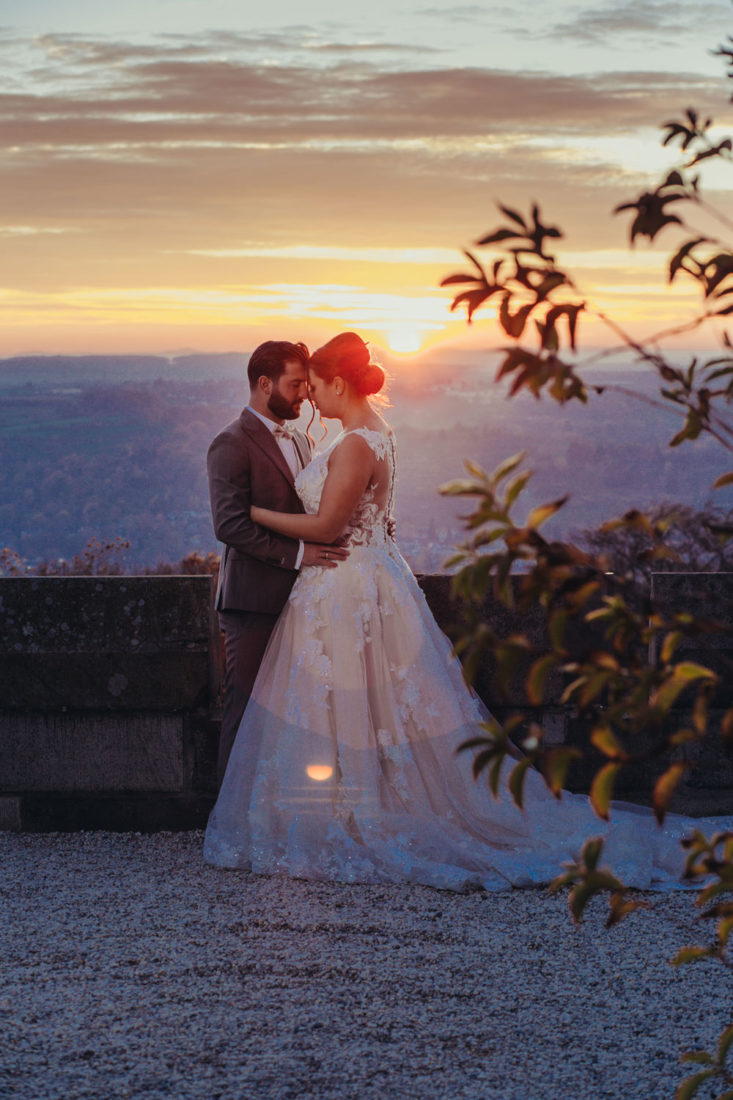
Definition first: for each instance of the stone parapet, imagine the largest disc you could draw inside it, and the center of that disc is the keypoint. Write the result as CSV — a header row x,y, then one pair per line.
x,y
110,697
109,692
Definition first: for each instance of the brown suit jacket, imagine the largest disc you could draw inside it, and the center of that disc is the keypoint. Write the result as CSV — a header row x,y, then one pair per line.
x,y
246,466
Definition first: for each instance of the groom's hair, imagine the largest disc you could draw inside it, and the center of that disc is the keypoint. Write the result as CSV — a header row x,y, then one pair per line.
x,y
270,359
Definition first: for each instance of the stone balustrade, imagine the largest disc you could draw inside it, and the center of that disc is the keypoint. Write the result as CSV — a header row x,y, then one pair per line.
x,y
110,698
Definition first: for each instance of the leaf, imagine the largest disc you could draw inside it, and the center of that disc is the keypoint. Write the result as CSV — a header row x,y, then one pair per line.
x,y
579,898
507,466
461,487
726,726
670,644
620,907
724,479
724,1044
499,235
538,515
556,626
689,1087
537,678
476,263
591,852
682,675
601,790
482,760
690,670
513,214
555,767
725,927
697,1057
495,774
515,487
605,741
691,954
516,780
451,280
665,787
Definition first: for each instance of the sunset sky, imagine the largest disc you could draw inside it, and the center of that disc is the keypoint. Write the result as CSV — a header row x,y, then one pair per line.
x,y
204,174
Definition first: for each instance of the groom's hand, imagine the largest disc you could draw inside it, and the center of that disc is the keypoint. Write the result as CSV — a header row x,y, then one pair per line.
x,y
315,553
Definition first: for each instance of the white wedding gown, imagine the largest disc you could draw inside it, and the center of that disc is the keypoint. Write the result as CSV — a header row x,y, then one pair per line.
x,y
345,767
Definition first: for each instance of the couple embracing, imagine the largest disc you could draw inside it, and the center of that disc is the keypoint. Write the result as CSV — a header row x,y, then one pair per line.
x,y
345,703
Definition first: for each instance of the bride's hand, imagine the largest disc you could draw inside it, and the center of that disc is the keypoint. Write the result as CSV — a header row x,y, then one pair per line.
x,y
256,514
328,557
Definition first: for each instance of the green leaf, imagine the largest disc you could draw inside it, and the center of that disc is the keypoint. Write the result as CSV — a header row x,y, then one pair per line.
x,y
591,852
495,774
724,1044
460,487
579,898
689,670
515,487
555,766
697,1057
538,515
605,741
691,954
537,678
507,466
620,907
665,787
556,627
516,780
601,790
670,644
689,1087
724,930
726,726
724,479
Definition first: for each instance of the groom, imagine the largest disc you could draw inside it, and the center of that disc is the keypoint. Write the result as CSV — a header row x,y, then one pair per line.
x,y
255,460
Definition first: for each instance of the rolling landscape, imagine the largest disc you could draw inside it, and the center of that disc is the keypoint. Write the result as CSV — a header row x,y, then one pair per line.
x,y
114,447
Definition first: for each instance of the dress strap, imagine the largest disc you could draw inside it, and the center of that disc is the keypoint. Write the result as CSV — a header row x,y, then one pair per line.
x,y
378,441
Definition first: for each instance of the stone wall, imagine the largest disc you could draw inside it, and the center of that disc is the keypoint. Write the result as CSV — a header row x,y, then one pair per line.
x,y
108,702
110,699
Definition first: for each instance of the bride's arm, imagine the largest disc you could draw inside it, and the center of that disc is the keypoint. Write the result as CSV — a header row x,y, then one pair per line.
x,y
349,469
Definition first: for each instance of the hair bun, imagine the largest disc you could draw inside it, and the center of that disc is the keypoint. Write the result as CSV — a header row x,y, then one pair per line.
x,y
347,355
372,378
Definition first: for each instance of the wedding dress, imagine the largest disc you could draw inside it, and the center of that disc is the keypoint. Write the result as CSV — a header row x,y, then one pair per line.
x,y
345,768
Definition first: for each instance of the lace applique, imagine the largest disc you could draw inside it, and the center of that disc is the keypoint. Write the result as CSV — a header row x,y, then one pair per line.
x,y
368,524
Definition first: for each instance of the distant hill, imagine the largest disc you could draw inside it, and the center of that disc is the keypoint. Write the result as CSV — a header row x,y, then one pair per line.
x,y
101,446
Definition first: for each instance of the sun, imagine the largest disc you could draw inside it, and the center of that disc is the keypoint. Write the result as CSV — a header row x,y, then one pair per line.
x,y
404,339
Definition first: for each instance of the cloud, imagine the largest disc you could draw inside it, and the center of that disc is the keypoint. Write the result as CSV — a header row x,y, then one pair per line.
x,y
96,94
231,159
662,19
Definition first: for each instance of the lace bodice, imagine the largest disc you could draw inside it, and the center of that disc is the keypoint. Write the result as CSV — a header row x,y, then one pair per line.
x,y
368,524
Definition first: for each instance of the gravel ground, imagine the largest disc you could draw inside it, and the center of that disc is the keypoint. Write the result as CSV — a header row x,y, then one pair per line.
x,y
130,969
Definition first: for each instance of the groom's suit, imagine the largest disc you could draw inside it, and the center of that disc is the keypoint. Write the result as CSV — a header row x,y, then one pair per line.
x,y
258,567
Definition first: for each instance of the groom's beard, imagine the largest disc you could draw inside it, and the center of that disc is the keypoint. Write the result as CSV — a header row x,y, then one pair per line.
x,y
281,408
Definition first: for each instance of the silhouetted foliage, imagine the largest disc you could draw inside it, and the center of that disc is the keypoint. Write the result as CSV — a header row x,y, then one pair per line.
x,y
620,655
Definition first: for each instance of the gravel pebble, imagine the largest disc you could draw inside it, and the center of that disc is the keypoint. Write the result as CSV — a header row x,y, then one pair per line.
x,y
131,969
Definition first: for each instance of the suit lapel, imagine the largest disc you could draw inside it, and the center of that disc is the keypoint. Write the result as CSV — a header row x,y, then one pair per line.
x,y
265,440
302,448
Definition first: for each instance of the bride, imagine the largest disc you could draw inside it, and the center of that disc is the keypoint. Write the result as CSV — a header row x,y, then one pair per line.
x,y
344,766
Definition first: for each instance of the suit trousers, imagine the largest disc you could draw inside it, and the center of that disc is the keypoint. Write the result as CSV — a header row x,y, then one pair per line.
x,y
246,634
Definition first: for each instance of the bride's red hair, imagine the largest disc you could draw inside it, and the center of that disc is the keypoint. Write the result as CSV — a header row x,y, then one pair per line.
x,y
347,356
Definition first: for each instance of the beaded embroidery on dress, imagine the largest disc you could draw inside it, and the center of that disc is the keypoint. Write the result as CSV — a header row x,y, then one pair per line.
x,y
345,768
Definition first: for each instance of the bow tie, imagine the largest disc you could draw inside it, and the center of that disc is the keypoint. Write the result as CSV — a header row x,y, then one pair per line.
x,y
282,431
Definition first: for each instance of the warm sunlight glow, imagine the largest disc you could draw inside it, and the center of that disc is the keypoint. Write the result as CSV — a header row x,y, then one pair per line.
x,y
404,339
321,772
